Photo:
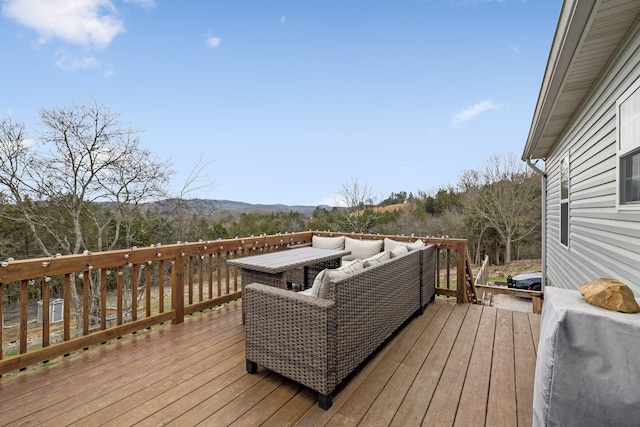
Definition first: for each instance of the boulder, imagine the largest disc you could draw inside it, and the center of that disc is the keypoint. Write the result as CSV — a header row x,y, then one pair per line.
x,y
610,294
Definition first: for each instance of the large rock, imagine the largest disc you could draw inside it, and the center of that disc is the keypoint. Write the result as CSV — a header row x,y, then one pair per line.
x,y
610,294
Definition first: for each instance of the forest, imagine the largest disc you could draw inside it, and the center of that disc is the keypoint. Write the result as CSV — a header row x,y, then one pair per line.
x,y
96,188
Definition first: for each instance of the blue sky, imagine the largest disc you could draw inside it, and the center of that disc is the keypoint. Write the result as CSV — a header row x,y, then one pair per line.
x,y
290,100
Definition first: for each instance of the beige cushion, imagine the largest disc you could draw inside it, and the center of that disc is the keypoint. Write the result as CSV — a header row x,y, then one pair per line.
x,y
315,288
354,265
416,245
327,242
361,248
377,259
312,292
320,286
390,244
400,250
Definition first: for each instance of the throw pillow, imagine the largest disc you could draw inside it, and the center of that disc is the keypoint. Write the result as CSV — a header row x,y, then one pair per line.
x,y
351,266
309,292
416,245
361,248
328,275
390,244
317,283
377,259
327,242
400,250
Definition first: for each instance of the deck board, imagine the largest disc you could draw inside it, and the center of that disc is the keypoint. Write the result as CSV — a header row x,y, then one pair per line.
x,y
501,408
454,365
522,340
417,400
444,404
417,344
472,406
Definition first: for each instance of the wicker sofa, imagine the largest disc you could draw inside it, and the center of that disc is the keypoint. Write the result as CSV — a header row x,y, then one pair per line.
x,y
318,342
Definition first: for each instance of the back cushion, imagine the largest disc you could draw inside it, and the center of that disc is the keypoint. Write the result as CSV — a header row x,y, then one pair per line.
x,y
317,283
400,250
361,248
327,242
320,286
390,244
377,259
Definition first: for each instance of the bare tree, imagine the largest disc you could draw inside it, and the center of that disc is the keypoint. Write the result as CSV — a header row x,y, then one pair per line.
x,y
506,200
83,178
84,157
197,180
359,201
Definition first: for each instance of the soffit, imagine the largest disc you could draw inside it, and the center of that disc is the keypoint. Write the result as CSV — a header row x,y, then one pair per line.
x,y
587,37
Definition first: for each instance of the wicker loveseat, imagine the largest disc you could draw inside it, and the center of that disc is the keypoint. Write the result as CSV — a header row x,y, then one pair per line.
x,y
318,342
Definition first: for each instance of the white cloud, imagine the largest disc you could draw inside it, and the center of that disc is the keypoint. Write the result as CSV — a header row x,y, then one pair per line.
x,y
334,201
471,112
213,42
89,23
283,19
73,63
514,49
145,4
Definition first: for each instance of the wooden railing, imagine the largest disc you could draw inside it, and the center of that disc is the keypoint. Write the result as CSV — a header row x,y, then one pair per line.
x,y
482,277
88,299
483,286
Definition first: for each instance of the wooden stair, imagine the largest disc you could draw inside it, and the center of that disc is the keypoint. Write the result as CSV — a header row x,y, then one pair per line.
x,y
469,285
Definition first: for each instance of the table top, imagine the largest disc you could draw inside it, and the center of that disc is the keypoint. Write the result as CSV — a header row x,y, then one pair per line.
x,y
276,262
566,302
587,369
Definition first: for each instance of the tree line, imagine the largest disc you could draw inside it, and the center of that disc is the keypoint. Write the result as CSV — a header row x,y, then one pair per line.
x,y
84,184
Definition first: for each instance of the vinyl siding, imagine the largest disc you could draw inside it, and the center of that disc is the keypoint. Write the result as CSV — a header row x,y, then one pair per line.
x,y
603,241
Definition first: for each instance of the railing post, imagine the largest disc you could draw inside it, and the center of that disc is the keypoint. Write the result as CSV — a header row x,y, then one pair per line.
x,y
177,289
24,300
1,320
461,282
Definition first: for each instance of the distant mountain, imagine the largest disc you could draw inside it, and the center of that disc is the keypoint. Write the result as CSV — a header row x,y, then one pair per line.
x,y
209,205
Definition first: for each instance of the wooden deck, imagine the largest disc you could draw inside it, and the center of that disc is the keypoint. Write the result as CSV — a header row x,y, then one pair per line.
x,y
458,364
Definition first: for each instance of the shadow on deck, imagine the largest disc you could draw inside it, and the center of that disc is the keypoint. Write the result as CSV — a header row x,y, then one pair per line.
x,y
458,364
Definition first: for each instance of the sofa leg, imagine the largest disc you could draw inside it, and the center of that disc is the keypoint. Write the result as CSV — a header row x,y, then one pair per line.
x,y
252,367
324,401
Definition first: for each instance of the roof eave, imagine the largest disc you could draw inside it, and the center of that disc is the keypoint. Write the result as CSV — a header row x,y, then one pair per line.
x,y
574,18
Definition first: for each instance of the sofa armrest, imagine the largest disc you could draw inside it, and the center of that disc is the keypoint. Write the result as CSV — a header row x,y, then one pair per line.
x,y
292,334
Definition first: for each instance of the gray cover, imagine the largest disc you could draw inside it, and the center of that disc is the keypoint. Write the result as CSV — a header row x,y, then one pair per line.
x,y
588,364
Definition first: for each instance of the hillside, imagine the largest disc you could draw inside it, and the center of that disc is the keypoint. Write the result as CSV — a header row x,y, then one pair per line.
x,y
209,205
395,207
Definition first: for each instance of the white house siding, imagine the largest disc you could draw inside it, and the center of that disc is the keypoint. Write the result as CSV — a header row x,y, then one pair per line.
x,y
603,241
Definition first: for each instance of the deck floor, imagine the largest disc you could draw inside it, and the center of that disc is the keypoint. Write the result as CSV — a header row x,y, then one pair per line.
x,y
457,364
